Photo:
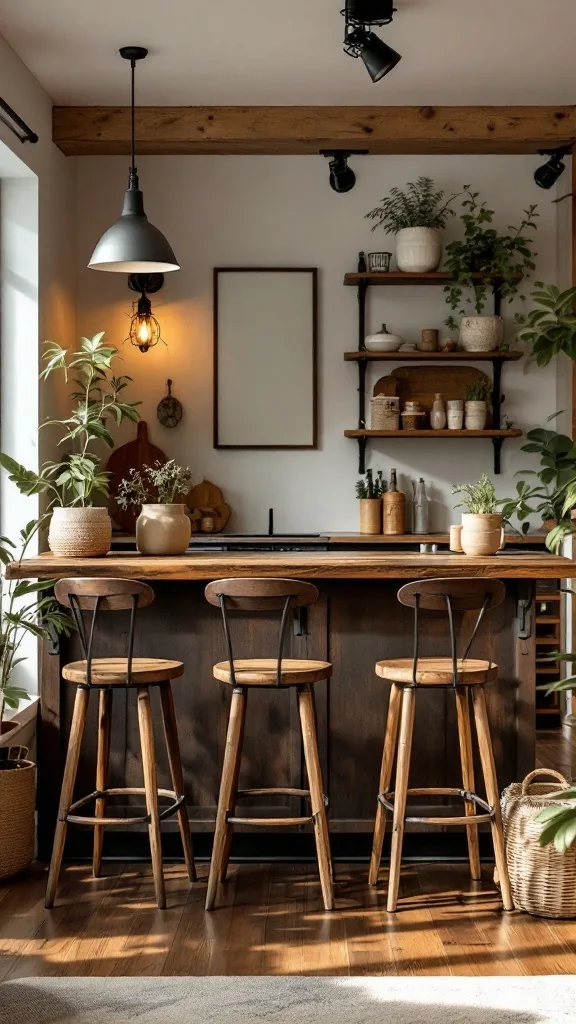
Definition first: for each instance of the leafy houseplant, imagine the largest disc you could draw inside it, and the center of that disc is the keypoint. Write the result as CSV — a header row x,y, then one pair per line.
x,y
370,491
415,215
482,523
551,328
502,260
77,528
476,409
163,526
558,473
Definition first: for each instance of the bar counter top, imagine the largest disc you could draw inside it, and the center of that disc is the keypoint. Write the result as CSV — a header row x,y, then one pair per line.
x,y
300,564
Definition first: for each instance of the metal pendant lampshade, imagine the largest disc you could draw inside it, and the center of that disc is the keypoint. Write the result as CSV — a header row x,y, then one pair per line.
x,y
133,245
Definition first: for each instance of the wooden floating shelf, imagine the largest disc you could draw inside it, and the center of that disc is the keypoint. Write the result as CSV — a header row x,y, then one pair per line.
x,y
393,277
360,355
512,432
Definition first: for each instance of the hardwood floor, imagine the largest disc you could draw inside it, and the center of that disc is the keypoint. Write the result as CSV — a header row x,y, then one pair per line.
x,y
270,921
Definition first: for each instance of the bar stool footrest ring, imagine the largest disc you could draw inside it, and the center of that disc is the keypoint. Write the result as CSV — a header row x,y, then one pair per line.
x,y
386,800
78,819
275,822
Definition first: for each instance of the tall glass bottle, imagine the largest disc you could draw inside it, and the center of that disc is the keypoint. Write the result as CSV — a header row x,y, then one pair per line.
x,y
394,507
421,508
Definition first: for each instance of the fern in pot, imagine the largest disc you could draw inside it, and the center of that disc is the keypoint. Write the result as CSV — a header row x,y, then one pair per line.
x,y
78,527
482,261
163,526
369,491
416,215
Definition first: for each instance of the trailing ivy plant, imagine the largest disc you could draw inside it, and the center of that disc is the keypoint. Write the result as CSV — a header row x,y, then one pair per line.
x,y
418,205
502,260
551,328
98,399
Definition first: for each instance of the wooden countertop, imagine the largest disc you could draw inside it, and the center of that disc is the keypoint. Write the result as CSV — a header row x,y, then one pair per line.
x,y
301,564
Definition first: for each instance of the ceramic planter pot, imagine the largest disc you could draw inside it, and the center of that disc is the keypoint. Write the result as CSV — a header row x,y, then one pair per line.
x,y
418,250
163,530
476,414
80,532
482,533
481,333
370,515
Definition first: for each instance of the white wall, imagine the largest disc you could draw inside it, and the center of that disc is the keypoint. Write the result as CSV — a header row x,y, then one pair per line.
x,y
280,211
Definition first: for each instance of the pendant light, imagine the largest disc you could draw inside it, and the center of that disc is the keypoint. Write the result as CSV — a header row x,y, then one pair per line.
x,y
133,245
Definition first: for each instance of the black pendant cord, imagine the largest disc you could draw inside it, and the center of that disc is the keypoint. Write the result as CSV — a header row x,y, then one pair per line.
x,y
133,170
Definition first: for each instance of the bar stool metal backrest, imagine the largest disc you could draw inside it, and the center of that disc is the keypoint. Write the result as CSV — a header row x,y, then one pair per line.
x,y
260,595
450,596
102,594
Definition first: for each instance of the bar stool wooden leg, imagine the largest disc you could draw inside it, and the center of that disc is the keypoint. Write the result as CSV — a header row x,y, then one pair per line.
x,y
234,793
151,787
67,791
492,792
400,794
466,758
102,761
312,759
232,754
391,735
173,749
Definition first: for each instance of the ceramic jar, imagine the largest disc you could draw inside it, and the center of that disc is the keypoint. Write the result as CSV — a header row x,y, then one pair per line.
x,y
413,416
482,533
481,333
418,250
476,415
438,413
80,532
383,341
428,340
370,515
455,414
384,412
163,530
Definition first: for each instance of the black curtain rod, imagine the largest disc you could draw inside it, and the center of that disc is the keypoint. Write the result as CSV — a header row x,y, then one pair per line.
x,y
10,118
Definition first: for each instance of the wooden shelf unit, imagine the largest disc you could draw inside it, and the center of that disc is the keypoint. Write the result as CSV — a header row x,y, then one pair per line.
x,y
548,623
362,280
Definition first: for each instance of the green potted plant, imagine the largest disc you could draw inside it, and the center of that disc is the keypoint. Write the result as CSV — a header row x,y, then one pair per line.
x,y
550,328
26,609
78,528
476,407
416,215
557,474
483,521
163,526
369,491
501,260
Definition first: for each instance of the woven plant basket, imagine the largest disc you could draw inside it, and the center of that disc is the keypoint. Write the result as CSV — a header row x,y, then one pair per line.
x,y
80,532
17,807
543,881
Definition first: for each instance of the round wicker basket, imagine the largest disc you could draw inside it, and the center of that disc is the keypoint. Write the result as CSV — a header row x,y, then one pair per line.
x,y
543,881
17,807
80,532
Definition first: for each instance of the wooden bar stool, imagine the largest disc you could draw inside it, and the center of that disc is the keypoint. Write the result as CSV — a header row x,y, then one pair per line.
x,y
266,595
464,676
90,597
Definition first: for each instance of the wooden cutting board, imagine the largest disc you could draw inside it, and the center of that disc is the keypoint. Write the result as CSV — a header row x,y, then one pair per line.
x,y
129,456
421,383
206,498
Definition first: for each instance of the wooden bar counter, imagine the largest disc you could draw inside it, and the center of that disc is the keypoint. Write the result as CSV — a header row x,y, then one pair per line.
x,y
356,622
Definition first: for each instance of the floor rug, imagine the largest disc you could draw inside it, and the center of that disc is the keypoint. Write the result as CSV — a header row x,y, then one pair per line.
x,y
290,1000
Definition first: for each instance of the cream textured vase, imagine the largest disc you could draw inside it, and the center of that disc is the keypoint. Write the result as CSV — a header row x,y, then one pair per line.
x,y
476,414
481,333
80,532
163,530
482,533
418,250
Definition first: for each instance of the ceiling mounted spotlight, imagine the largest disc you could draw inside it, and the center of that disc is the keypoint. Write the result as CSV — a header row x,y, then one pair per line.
x,y
342,178
547,175
360,41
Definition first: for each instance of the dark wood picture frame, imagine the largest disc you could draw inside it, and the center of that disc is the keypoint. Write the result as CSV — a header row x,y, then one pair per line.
x,y
313,271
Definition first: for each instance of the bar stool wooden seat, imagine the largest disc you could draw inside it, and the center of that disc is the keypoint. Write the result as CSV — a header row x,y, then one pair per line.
x,y
466,677
89,597
283,596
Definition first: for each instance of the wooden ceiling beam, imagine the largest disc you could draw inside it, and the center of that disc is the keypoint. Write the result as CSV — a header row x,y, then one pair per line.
x,y
104,131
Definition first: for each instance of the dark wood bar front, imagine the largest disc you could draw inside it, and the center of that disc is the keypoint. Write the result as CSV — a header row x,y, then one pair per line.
x,y
356,622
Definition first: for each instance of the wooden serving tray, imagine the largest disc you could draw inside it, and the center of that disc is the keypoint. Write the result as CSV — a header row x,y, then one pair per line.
x,y
421,383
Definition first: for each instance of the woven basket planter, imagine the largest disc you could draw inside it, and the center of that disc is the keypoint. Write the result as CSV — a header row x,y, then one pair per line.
x,y
543,881
80,532
17,807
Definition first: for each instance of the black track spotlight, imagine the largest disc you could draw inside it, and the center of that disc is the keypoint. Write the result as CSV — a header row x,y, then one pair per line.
x,y
342,177
360,41
547,175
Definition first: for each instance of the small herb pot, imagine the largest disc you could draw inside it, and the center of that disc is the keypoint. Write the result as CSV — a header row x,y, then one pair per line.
x,y
163,530
476,415
482,533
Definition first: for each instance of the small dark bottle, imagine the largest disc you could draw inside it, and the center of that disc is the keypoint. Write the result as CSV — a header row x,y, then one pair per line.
x,y
362,263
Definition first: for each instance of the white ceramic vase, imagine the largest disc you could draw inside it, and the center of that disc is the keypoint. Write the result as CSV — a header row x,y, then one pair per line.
x,y
481,333
476,414
80,532
482,533
163,530
418,250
